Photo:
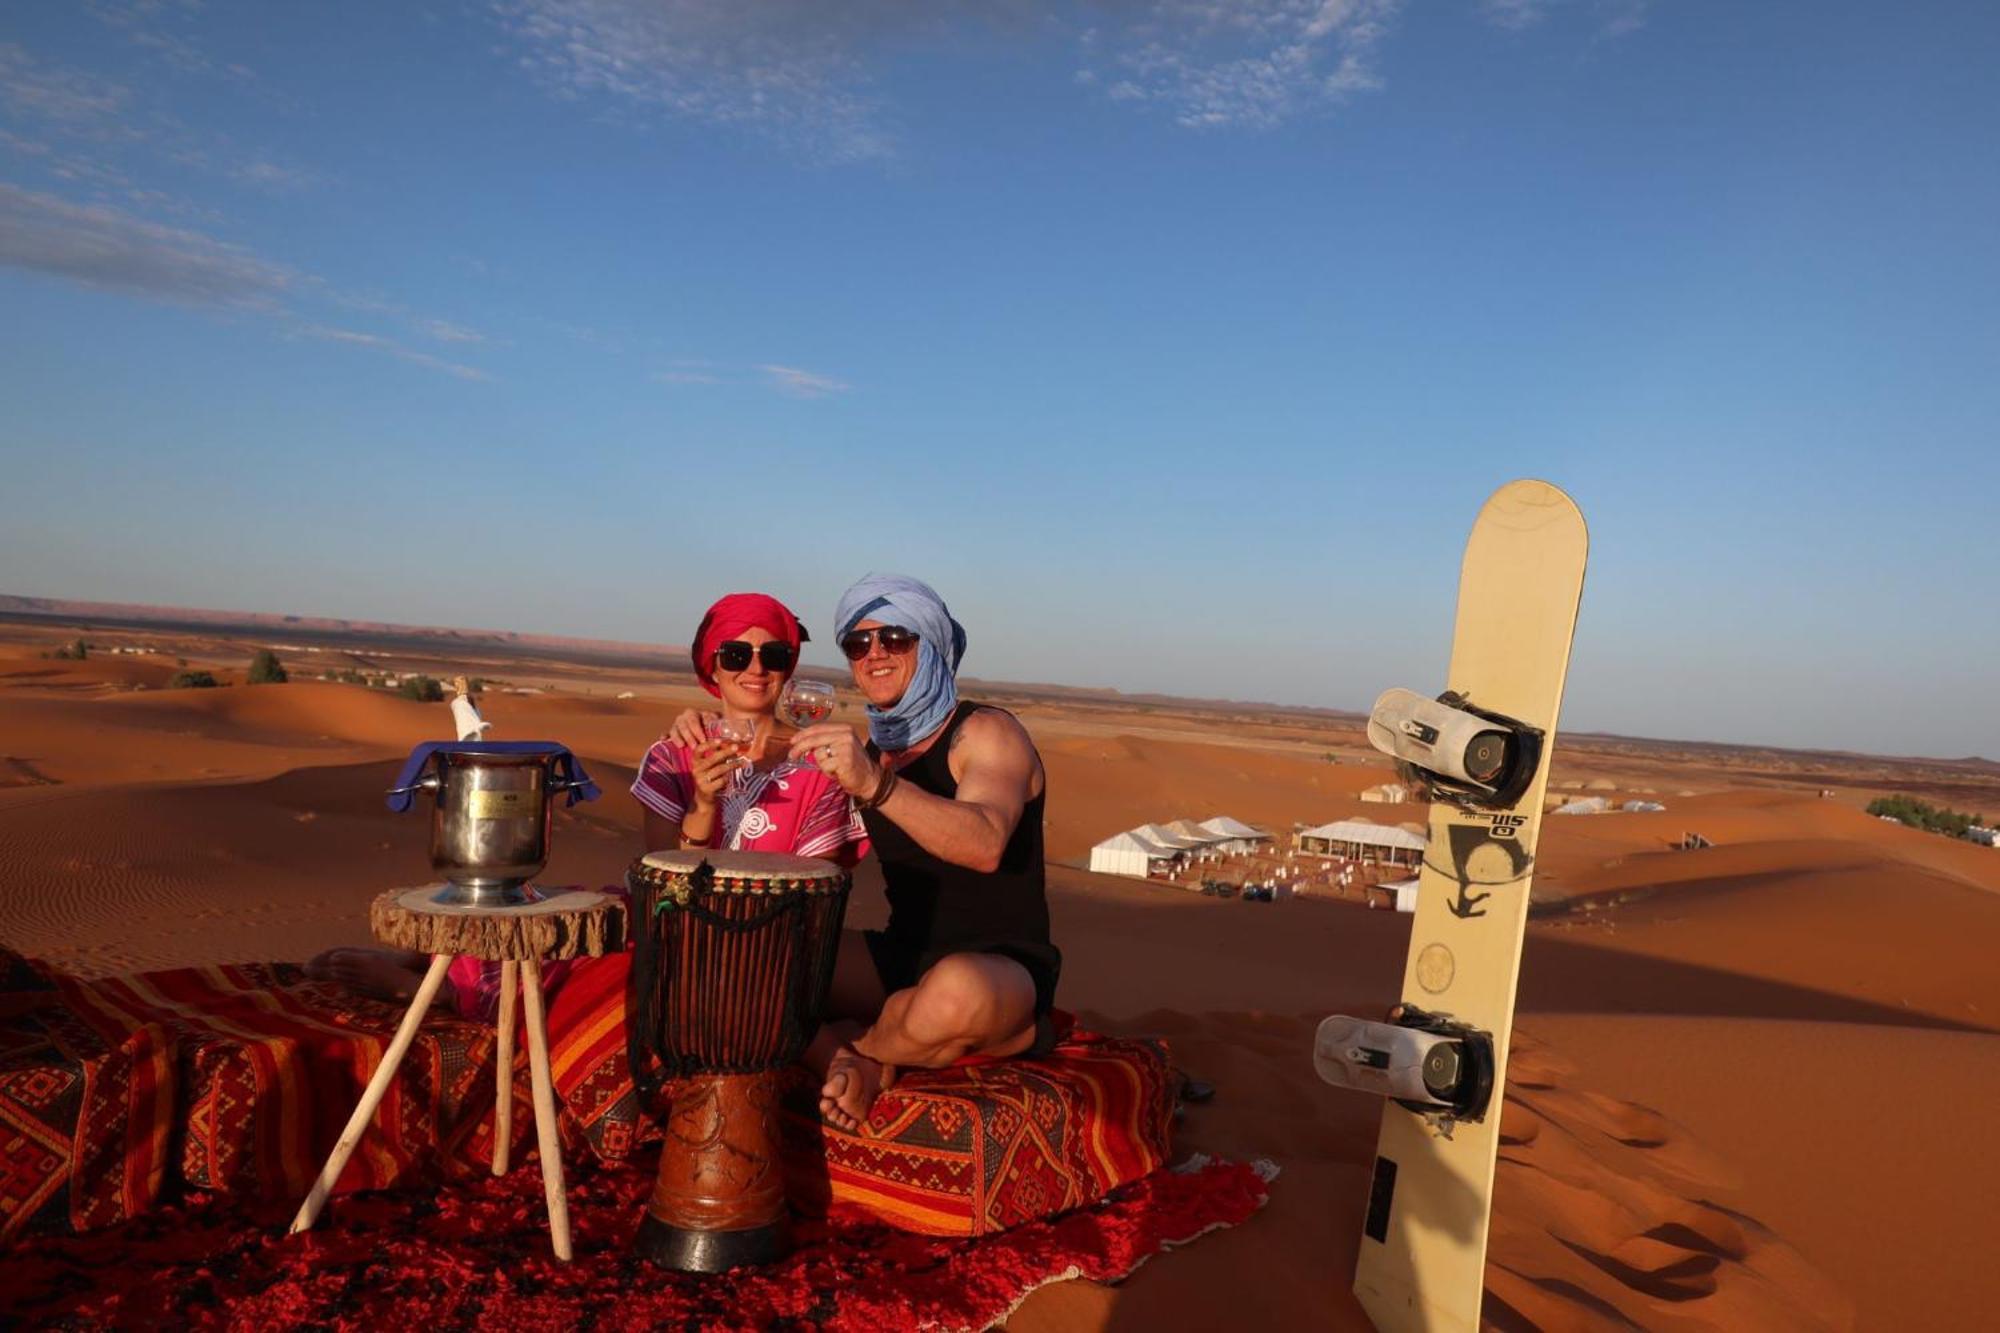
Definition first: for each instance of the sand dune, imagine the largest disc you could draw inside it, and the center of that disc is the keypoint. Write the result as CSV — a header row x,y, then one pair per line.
x,y
1740,1080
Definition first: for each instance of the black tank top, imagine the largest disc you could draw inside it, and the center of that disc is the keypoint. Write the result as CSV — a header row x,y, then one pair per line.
x,y
936,907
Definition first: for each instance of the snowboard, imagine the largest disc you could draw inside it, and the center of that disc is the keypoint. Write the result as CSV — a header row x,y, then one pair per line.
x,y
1423,1248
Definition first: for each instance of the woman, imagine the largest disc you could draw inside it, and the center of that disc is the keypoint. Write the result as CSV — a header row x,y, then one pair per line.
x,y
696,791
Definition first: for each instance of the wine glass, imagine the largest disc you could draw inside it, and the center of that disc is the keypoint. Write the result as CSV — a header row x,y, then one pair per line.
x,y
805,702
735,734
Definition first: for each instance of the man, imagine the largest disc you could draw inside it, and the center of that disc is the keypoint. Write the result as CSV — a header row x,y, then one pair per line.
x,y
951,793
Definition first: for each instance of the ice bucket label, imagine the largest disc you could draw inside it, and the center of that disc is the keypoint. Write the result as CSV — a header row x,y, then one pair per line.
x,y
491,803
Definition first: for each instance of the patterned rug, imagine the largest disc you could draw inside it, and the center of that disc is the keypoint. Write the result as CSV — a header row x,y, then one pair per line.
x,y
476,1253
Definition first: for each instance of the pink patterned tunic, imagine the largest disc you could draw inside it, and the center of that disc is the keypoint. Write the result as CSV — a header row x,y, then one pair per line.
x,y
793,808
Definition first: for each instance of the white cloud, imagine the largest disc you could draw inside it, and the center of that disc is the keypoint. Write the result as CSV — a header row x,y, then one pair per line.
x,y
377,342
447,332
1615,18
104,248
274,176
785,379
1623,16
788,69
804,71
801,70
1514,13
69,98
802,383
1218,64
149,25
114,251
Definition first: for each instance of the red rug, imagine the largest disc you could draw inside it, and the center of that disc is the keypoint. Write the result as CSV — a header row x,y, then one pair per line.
x,y
477,1254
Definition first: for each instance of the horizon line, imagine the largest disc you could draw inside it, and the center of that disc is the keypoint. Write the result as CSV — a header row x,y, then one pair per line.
x,y
24,606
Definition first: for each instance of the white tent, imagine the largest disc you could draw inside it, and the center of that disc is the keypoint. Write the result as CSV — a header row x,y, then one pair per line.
x,y
1584,805
1232,828
1406,894
1358,837
1166,837
1129,854
1237,836
1194,832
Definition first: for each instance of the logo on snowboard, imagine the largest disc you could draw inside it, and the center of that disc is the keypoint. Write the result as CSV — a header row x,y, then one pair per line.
x,y
1467,839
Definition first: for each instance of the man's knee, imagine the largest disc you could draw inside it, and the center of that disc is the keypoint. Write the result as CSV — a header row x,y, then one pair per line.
x,y
970,997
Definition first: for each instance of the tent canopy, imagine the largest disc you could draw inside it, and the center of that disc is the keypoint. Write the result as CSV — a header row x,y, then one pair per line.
x,y
1165,837
1133,842
1232,828
1368,834
1194,832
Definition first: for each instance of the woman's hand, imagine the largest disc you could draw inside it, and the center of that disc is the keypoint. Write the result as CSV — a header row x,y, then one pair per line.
x,y
691,728
841,755
711,766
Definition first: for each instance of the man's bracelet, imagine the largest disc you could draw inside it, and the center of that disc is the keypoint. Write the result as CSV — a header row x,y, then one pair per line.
x,y
882,789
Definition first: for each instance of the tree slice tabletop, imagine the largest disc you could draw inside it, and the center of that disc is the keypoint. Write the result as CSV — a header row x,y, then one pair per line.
x,y
568,923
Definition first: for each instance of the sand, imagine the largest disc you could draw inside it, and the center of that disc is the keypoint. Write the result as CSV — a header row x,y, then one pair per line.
x,y
1745,1093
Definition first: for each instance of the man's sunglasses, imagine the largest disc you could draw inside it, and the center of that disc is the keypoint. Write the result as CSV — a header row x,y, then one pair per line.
x,y
895,639
735,655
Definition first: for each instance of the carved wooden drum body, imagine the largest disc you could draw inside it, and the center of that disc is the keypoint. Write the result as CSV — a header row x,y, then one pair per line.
x,y
734,955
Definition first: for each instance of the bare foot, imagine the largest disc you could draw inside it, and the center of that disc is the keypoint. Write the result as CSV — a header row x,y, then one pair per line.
x,y
853,1082
374,972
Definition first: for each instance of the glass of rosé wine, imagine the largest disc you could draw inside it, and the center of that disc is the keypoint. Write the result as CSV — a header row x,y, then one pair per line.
x,y
806,702
735,735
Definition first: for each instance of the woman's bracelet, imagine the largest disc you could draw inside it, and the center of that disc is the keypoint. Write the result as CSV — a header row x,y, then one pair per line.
x,y
882,789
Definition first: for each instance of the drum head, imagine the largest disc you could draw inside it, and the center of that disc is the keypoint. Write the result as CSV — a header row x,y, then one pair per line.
x,y
738,866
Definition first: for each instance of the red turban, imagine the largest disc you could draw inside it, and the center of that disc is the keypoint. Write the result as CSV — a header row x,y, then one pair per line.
x,y
732,615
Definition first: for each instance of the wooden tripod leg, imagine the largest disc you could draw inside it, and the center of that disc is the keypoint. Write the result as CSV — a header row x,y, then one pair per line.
x,y
503,1092
545,1109
378,1087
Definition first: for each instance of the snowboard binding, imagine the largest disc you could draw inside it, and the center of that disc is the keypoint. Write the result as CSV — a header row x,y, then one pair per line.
x,y
1422,1061
1473,758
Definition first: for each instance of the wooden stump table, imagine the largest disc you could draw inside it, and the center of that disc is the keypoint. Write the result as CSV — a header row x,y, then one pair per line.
x,y
574,924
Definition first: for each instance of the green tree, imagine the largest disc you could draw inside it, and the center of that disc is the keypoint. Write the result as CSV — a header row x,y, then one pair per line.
x,y
266,669
1923,815
192,680
424,689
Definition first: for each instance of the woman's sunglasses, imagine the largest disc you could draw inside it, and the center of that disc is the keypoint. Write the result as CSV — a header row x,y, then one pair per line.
x,y
735,655
895,639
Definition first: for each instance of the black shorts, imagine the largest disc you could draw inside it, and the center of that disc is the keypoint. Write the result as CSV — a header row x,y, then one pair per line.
x,y
899,965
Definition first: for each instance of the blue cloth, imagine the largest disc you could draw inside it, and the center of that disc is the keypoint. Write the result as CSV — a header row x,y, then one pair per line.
x,y
563,766
933,691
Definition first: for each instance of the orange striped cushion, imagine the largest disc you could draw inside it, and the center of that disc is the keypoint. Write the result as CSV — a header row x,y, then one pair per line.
x,y
983,1146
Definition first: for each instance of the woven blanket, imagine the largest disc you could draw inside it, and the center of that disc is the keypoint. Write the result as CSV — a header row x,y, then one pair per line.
x,y
116,1092
476,1256
224,1078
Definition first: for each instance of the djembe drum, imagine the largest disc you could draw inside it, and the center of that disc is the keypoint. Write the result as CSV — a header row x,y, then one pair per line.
x,y
734,955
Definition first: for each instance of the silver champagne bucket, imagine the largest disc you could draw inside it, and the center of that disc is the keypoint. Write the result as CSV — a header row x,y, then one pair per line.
x,y
490,817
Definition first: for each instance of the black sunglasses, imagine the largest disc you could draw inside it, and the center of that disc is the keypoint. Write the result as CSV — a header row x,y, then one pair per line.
x,y
735,655
895,639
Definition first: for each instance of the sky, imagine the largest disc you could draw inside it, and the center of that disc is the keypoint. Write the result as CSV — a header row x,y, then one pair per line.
x,y
1176,342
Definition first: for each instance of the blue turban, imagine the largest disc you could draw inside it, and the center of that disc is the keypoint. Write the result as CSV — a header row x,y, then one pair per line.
x,y
933,691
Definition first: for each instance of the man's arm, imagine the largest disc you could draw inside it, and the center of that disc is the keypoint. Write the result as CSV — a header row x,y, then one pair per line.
x,y
996,767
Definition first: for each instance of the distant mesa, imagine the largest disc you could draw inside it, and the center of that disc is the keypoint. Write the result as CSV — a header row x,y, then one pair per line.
x,y
612,652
